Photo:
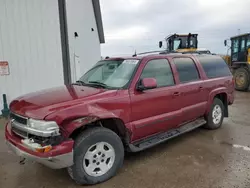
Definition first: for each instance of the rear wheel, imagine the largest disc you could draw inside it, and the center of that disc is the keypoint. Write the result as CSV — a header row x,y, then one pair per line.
x,y
98,155
242,79
216,115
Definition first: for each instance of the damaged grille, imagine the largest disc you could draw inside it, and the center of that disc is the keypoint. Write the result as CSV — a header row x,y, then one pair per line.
x,y
20,133
18,118
22,121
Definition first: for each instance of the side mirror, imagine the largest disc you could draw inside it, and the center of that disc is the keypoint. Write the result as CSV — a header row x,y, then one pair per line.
x,y
160,44
225,42
147,83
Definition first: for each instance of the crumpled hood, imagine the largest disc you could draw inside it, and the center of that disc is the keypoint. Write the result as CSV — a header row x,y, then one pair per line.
x,y
39,104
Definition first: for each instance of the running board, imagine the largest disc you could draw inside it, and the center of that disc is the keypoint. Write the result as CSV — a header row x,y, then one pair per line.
x,y
162,137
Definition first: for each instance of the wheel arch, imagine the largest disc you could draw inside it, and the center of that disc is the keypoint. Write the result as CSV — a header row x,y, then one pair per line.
x,y
114,124
220,93
223,98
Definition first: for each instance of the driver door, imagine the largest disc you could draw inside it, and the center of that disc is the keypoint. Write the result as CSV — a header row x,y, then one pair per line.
x,y
155,110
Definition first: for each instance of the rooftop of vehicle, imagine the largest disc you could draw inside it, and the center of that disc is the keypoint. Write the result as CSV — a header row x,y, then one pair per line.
x,y
139,57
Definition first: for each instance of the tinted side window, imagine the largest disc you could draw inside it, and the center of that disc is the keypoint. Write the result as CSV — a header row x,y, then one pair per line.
x,y
160,70
187,69
214,66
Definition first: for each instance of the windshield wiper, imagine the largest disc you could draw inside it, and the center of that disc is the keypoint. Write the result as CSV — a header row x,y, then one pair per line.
x,y
98,84
91,83
79,82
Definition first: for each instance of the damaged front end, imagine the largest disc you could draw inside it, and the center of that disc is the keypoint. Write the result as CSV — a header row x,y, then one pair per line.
x,y
39,141
37,135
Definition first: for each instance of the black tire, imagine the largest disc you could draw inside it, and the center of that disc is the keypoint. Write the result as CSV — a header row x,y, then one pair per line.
x,y
210,123
83,142
245,75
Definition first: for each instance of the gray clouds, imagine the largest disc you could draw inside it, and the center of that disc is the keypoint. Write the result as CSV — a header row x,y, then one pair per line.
x,y
140,24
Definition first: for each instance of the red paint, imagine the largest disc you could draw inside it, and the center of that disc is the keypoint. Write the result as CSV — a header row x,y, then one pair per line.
x,y
149,82
63,148
40,104
144,113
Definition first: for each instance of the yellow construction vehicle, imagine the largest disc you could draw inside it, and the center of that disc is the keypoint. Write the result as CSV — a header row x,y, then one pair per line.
x,y
239,61
182,43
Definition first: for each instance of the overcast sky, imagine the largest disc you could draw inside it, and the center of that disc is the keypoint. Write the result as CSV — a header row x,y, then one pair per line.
x,y
140,24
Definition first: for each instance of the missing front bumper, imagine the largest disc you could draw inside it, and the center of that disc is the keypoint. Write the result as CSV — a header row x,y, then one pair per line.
x,y
55,162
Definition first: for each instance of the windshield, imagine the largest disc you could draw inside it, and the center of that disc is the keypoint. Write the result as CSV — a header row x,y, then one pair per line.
x,y
110,73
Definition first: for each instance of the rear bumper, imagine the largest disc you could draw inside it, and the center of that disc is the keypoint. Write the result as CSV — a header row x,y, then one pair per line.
x,y
61,156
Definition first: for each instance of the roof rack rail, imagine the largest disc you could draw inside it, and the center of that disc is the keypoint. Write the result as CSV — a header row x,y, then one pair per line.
x,y
168,52
198,52
171,52
194,52
147,52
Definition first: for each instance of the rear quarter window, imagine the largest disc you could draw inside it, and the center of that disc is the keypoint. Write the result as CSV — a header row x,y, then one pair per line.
x,y
214,66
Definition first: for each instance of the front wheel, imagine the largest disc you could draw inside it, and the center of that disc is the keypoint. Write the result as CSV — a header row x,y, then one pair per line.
x,y
98,155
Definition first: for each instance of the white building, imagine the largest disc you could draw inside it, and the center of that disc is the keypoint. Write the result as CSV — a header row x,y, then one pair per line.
x,y
47,43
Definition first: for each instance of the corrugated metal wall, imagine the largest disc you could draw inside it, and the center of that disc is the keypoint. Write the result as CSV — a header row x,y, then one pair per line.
x,y
30,42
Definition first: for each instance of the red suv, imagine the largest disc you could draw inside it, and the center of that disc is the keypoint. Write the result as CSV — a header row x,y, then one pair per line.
x,y
120,104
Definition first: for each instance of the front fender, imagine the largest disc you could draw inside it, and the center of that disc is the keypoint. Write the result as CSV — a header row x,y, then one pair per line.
x,y
71,118
70,126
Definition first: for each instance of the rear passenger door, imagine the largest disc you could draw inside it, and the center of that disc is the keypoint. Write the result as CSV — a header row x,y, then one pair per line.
x,y
193,96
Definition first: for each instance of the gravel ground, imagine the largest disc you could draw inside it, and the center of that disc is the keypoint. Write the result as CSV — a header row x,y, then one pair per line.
x,y
200,159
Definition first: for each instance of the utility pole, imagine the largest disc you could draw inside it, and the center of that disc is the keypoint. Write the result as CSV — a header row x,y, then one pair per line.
x,y
238,31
